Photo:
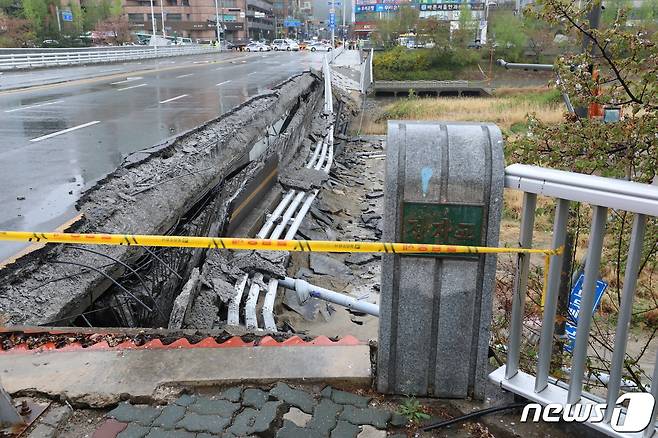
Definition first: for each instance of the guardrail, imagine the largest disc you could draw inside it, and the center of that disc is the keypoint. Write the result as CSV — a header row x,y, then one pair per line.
x,y
366,72
601,193
17,59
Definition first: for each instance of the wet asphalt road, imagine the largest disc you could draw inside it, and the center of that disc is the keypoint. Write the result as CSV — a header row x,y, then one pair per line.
x,y
58,140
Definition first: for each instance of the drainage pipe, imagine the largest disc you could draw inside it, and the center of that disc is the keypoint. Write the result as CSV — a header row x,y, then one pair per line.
x,y
264,231
306,290
234,305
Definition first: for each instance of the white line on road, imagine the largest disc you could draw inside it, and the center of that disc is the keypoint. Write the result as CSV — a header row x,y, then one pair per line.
x,y
131,87
222,83
32,106
128,79
174,98
184,76
54,134
219,68
252,73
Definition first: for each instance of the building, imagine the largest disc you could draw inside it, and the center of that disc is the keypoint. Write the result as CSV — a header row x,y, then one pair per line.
x,y
239,19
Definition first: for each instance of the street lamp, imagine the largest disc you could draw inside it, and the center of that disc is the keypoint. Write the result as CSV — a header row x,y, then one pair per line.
x,y
153,21
219,37
163,18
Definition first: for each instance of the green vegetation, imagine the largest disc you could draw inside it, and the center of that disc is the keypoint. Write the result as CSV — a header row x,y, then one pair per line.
x,y
26,23
413,410
439,63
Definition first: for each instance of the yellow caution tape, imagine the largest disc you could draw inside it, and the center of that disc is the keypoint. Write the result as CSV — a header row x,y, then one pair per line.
x,y
261,244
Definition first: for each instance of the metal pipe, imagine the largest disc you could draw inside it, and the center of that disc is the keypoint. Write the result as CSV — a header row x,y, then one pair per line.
x,y
550,304
520,285
267,226
268,305
311,162
234,305
323,155
287,215
624,316
296,223
252,299
586,307
649,431
520,66
306,290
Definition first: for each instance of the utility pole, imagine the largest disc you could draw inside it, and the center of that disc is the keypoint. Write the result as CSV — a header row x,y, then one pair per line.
x,y
219,38
162,15
153,22
59,23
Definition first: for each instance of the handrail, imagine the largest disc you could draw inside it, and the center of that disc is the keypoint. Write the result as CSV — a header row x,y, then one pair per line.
x,y
597,190
26,58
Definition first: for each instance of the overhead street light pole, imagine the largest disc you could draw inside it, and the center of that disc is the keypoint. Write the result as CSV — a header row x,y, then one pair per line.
x,y
162,14
153,20
219,37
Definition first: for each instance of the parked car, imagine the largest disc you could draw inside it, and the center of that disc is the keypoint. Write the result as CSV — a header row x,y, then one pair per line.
x,y
319,47
292,45
257,47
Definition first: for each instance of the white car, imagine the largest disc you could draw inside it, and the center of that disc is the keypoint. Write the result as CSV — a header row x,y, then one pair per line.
x,y
257,47
279,44
292,45
319,47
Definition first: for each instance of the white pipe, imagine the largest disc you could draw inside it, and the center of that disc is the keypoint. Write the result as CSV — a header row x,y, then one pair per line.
x,y
287,215
234,305
300,216
268,305
252,299
315,155
305,291
323,155
267,226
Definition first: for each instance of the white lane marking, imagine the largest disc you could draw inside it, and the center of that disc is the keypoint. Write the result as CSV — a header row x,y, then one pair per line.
x,y
174,98
184,76
128,79
131,87
244,62
54,134
33,106
252,73
222,83
219,68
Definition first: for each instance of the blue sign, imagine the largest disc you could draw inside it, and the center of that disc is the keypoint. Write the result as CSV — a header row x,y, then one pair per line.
x,y
292,23
376,8
333,3
332,20
67,15
575,298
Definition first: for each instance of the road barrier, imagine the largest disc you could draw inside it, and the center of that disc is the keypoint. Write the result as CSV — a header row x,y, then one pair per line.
x,y
17,59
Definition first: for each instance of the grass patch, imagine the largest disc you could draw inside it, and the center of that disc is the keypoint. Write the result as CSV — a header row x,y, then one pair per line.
x,y
508,109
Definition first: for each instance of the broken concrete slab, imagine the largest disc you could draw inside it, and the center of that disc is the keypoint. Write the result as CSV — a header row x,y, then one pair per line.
x,y
326,265
102,377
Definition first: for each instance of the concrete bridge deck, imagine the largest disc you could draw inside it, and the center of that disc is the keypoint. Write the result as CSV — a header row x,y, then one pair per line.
x,y
431,88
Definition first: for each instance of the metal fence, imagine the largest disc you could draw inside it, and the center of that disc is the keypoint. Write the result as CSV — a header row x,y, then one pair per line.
x,y
602,194
15,59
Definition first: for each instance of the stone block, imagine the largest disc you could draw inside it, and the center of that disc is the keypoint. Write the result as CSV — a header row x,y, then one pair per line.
x,y
127,413
134,430
158,432
348,398
444,185
205,406
325,416
345,429
295,397
254,398
170,415
231,394
360,416
252,421
193,422
290,430
185,400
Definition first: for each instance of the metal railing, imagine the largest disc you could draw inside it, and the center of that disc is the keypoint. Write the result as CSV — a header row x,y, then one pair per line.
x,y
16,59
602,194
366,72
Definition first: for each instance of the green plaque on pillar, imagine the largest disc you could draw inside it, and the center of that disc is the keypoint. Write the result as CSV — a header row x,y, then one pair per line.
x,y
442,224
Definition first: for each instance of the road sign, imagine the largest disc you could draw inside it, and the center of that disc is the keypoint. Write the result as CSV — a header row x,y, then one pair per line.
x,y
332,20
575,298
292,23
333,3
259,14
67,15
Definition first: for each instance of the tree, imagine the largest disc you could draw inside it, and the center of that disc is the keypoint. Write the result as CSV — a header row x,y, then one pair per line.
x,y
15,32
466,33
78,17
116,30
509,36
539,37
36,12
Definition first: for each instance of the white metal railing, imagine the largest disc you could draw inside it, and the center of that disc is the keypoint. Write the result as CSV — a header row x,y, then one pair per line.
x,y
601,193
366,72
15,59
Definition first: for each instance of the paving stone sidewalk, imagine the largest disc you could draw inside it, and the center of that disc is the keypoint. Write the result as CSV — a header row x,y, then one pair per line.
x,y
280,411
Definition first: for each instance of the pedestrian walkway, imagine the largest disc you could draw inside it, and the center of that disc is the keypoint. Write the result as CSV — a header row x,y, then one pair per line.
x,y
281,411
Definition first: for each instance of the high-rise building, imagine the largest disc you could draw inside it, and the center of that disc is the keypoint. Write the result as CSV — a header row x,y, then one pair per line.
x,y
239,19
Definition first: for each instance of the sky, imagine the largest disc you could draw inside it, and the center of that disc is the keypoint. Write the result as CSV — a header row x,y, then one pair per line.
x,y
321,10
